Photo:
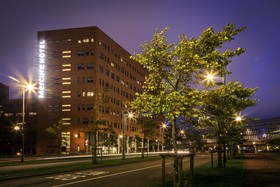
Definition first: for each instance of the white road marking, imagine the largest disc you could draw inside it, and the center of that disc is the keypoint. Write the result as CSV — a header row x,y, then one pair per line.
x,y
77,175
109,175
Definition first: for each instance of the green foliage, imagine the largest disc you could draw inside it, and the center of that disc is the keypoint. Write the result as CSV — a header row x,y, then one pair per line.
x,y
112,137
228,100
55,130
175,70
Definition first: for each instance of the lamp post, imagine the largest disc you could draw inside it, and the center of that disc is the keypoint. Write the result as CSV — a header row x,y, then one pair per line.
x,y
124,127
161,132
25,87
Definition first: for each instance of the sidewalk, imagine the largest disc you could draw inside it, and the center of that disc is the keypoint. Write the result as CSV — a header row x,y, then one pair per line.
x,y
262,169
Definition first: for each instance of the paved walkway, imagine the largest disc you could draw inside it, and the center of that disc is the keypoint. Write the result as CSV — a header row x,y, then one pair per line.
x,y
262,169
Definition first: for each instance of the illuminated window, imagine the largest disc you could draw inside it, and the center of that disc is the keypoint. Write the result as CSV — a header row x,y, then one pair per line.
x,y
66,78
68,69
65,141
66,110
66,52
86,40
66,105
66,96
90,94
66,56
32,113
8,114
66,92
65,119
66,65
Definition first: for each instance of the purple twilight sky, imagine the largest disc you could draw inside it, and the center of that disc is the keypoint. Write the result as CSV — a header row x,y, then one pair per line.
x,y
131,23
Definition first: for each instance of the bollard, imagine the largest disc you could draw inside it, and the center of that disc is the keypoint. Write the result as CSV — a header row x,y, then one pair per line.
x,y
211,158
163,171
191,169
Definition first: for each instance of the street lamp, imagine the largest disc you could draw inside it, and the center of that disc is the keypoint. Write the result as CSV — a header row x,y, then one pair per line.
x,y
25,87
210,77
125,116
238,118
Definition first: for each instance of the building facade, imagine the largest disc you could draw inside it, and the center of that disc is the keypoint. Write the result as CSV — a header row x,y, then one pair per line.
x,y
84,78
11,139
4,92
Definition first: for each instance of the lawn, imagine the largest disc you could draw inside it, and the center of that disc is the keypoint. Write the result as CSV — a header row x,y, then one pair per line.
x,y
206,176
230,176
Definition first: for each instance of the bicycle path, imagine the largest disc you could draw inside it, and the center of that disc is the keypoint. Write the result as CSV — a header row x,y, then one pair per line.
x,y
262,169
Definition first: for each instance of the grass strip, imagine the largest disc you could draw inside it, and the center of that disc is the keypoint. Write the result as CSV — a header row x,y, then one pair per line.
x,y
231,176
206,176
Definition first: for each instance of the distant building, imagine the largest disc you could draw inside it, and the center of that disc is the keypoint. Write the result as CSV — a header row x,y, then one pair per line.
x,y
76,67
4,92
11,116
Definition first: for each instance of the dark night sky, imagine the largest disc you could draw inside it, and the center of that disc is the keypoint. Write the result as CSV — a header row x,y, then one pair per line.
x,y
131,23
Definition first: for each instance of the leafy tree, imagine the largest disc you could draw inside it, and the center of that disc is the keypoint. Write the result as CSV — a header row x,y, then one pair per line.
x,y
55,130
96,123
112,137
147,130
223,103
175,69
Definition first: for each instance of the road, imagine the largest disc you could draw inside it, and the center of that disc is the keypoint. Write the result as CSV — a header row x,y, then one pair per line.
x,y
136,174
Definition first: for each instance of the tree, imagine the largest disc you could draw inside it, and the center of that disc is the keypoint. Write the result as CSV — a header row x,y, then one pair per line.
x,y
112,137
96,123
223,103
147,125
55,130
174,70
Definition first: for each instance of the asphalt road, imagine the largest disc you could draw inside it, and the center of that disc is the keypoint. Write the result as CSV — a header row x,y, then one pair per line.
x,y
126,175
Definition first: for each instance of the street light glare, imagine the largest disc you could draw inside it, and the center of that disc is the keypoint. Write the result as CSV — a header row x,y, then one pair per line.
x,y
29,87
130,115
13,78
16,128
209,76
238,118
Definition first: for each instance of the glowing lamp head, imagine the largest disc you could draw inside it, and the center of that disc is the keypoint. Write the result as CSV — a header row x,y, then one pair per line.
x,y
16,128
130,115
29,87
238,118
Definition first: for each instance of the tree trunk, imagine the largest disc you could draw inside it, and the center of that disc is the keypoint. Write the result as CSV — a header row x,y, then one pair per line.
x,y
175,164
220,164
94,155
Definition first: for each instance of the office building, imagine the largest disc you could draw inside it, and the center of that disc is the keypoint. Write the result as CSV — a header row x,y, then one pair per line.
x,y
84,78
